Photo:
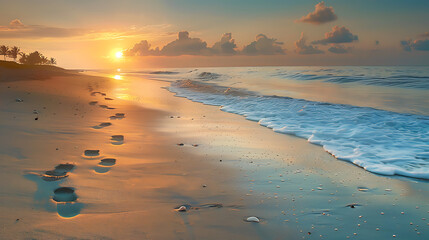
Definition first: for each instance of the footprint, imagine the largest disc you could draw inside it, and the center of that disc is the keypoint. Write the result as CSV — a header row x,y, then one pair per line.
x,y
64,194
65,198
60,172
118,116
102,125
106,107
117,139
100,93
93,102
107,162
92,153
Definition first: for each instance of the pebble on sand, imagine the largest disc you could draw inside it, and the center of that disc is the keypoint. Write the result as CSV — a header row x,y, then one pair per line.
x,y
19,100
252,219
182,209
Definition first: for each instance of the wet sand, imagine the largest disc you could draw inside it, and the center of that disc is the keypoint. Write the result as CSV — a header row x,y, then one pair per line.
x,y
174,153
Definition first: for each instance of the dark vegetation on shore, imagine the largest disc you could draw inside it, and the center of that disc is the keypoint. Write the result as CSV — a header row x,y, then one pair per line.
x,y
34,58
12,71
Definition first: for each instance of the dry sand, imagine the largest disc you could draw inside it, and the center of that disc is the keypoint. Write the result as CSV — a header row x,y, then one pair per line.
x,y
175,152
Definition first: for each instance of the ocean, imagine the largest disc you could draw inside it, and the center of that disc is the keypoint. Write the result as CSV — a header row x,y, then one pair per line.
x,y
374,117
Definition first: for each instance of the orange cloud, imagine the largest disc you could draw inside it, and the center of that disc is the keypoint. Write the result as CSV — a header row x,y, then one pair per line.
x,y
321,14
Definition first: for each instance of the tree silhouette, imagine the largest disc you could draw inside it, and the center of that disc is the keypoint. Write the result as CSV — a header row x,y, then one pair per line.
x,y
4,51
53,61
34,58
14,52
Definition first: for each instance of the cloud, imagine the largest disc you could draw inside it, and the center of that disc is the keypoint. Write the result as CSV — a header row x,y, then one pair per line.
x,y
16,23
339,49
321,14
226,45
184,45
416,45
424,35
142,48
263,46
338,35
302,48
16,29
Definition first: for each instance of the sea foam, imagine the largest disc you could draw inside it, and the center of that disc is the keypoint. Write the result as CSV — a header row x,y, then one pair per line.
x,y
380,141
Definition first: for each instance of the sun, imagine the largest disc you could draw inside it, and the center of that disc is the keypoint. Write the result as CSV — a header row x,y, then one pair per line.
x,y
119,54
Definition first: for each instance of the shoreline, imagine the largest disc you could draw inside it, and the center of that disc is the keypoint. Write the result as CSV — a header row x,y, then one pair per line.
x,y
256,159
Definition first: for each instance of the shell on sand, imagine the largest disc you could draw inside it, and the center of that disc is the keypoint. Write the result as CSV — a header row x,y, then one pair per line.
x,y
182,209
252,219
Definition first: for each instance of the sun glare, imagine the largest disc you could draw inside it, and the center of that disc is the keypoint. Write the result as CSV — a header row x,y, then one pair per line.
x,y
119,54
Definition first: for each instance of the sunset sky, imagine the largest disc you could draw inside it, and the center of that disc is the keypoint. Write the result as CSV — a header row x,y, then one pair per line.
x,y
190,33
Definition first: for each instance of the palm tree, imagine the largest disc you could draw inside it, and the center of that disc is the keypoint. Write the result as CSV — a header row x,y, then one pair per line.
x,y
4,51
23,58
52,61
13,52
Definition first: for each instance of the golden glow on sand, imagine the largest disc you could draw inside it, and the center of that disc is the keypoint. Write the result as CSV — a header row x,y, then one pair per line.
x,y
117,77
119,54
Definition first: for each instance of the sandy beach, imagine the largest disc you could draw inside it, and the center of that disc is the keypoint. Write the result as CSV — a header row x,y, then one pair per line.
x,y
163,153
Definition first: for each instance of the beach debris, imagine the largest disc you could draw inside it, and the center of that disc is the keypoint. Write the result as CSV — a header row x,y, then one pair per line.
x,y
388,190
35,112
252,219
117,138
180,144
37,118
64,194
103,106
19,100
107,98
204,186
362,189
352,205
194,145
183,208
107,162
92,153
93,102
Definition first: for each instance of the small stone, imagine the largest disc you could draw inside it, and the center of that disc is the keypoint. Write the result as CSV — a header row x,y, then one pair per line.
x,y
252,219
182,209
19,100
